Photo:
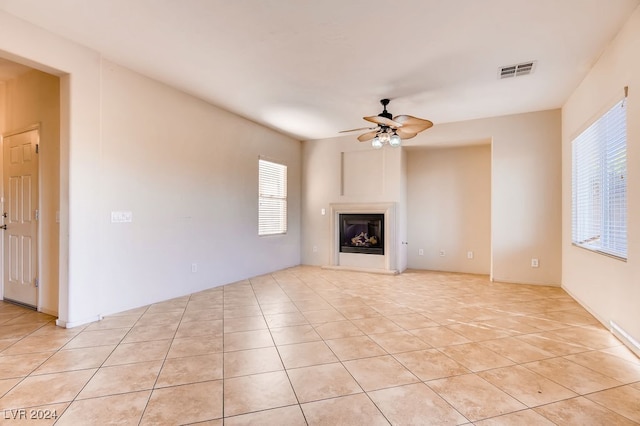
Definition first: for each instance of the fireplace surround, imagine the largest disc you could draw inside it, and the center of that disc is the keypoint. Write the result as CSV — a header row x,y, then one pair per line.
x,y
385,260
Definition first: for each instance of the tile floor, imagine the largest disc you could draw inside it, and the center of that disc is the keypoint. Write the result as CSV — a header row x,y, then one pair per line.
x,y
313,346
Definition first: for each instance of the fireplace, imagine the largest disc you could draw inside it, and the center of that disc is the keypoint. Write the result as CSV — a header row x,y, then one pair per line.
x,y
377,219
361,233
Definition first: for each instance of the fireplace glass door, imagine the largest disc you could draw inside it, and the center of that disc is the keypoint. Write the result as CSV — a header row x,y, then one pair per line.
x,y
362,233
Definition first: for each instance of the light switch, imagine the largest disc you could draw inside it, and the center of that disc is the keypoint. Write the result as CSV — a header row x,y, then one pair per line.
x,y
121,216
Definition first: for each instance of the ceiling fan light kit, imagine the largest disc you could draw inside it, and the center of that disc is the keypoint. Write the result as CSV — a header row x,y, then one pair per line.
x,y
387,137
391,130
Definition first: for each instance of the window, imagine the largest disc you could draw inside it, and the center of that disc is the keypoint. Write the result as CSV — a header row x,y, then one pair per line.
x,y
599,184
272,198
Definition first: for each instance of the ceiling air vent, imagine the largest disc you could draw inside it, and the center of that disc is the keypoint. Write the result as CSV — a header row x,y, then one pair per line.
x,y
516,70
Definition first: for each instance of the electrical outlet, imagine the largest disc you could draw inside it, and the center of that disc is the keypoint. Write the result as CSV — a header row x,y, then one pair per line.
x,y
534,263
315,249
420,252
442,252
194,267
469,255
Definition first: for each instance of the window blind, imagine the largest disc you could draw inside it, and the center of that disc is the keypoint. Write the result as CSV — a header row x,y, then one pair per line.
x,y
599,184
272,198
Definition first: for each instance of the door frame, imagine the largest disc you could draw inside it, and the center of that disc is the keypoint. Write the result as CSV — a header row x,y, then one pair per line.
x,y
36,126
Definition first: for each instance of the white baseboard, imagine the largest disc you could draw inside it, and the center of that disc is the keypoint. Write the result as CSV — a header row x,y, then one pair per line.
x,y
625,337
71,324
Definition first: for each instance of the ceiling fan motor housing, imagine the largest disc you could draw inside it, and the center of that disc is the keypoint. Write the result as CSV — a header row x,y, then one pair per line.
x,y
384,112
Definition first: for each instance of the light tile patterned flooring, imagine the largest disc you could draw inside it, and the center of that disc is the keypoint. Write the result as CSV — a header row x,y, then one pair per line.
x,y
312,346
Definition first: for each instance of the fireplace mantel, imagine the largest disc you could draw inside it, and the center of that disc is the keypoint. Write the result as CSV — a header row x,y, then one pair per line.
x,y
386,263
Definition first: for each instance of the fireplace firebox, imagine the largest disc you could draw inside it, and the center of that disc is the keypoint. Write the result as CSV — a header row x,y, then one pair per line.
x,y
362,233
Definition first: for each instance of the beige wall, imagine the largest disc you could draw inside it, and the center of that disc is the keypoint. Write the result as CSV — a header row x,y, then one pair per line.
x,y
525,189
188,172
34,98
609,288
449,205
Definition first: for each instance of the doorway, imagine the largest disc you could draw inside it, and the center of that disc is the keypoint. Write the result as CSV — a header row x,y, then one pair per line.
x,y
30,108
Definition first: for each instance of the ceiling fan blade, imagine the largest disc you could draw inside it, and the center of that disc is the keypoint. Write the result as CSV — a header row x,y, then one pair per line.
x,y
384,121
414,129
406,134
413,124
367,136
357,130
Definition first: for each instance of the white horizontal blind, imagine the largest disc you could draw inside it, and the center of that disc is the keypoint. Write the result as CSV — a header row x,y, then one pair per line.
x,y
272,198
599,184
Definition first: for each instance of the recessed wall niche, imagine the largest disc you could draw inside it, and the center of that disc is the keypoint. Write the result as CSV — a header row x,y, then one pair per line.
x,y
362,173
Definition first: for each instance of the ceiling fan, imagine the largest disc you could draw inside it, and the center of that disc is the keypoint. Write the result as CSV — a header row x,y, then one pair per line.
x,y
391,130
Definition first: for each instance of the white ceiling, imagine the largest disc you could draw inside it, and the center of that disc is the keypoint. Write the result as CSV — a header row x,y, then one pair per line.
x,y
310,68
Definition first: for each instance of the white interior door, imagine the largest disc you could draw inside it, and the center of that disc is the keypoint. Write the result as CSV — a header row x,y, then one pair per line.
x,y
20,239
